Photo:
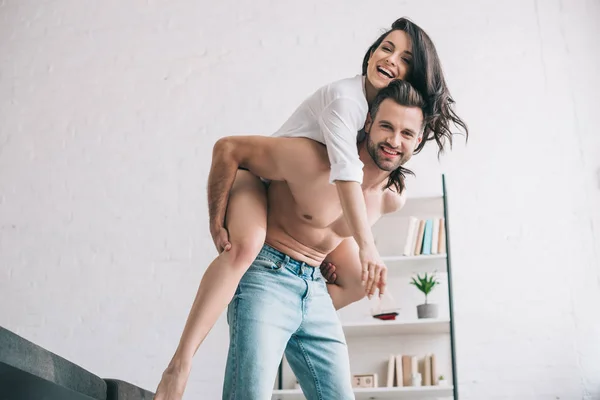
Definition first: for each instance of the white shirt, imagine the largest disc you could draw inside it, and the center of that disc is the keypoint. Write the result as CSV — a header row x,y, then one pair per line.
x,y
333,115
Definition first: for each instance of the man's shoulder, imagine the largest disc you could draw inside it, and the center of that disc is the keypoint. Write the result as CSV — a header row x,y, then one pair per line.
x,y
393,201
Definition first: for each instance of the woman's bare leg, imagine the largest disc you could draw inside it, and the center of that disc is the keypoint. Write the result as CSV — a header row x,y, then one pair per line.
x,y
343,271
246,222
345,289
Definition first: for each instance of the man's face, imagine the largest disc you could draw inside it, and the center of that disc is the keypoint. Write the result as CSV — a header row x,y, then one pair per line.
x,y
394,134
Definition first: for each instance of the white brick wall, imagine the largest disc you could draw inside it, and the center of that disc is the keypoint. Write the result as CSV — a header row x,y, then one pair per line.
x,y
108,113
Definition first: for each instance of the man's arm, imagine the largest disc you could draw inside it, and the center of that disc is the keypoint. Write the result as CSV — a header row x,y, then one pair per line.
x,y
265,156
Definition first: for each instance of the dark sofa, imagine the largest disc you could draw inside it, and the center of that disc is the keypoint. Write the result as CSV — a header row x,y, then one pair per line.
x,y
29,372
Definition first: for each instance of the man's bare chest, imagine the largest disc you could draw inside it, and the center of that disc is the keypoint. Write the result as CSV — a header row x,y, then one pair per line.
x,y
318,205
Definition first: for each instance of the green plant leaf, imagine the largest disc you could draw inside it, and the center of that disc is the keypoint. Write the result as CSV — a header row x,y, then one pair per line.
x,y
425,283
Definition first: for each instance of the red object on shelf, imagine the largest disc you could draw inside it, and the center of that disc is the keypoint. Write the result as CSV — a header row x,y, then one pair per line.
x,y
386,316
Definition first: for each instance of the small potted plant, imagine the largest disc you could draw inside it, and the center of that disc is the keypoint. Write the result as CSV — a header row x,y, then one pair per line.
x,y
425,284
442,381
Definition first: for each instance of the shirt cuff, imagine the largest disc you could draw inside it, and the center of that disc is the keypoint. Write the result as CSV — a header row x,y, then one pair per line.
x,y
346,172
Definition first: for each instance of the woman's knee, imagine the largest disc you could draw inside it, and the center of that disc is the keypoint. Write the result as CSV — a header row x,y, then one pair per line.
x,y
243,251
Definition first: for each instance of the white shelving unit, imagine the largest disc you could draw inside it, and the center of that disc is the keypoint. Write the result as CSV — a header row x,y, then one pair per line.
x,y
371,341
407,259
395,393
398,265
386,328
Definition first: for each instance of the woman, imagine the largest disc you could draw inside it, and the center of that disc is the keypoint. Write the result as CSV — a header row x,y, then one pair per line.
x,y
333,116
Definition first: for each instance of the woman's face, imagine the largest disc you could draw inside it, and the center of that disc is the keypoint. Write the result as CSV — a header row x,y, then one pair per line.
x,y
391,60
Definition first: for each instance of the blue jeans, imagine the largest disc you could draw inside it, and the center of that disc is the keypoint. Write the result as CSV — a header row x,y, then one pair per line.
x,y
282,305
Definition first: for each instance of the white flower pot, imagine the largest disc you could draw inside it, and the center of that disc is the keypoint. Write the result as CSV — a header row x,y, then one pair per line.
x,y
427,311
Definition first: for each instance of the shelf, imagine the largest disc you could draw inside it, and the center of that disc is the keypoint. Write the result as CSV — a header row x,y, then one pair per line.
x,y
423,392
398,265
384,328
414,258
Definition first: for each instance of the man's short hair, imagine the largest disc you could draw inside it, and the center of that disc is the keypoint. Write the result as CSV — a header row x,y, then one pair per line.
x,y
403,93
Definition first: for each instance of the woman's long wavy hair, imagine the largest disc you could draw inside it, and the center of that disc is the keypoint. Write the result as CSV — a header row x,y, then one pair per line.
x,y
427,77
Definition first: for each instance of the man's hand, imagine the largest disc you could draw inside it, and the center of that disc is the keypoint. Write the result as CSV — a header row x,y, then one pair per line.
x,y
328,271
221,239
374,271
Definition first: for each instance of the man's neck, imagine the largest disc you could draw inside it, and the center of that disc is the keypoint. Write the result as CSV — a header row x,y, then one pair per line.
x,y
374,178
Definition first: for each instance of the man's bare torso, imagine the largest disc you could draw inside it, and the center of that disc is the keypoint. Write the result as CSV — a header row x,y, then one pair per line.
x,y
305,218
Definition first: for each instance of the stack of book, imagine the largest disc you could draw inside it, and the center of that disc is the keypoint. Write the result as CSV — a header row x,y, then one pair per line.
x,y
403,369
425,237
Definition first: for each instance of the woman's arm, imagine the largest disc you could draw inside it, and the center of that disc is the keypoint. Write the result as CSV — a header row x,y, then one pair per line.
x,y
340,122
355,211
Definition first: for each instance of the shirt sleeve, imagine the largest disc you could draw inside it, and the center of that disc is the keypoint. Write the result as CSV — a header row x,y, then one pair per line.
x,y
340,122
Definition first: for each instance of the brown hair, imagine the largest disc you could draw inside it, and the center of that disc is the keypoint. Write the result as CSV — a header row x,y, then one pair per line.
x,y
403,93
427,77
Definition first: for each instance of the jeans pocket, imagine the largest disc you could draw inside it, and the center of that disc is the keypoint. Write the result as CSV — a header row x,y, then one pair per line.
x,y
263,263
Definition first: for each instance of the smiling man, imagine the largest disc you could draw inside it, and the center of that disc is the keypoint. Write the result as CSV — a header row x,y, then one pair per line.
x,y
282,304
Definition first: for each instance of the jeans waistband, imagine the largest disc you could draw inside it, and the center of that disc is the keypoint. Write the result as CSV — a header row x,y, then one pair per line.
x,y
299,268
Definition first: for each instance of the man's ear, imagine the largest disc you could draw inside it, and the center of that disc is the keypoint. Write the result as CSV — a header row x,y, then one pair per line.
x,y
368,123
419,140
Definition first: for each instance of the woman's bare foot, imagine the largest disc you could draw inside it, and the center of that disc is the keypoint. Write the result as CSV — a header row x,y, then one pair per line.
x,y
173,382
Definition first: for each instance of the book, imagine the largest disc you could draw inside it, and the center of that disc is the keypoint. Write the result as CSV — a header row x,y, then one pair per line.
x,y
434,376
414,238
399,371
413,226
442,237
419,242
428,231
435,236
426,371
390,371
407,370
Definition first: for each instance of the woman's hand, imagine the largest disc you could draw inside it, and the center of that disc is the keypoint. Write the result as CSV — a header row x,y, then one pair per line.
x,y
374,271
173,382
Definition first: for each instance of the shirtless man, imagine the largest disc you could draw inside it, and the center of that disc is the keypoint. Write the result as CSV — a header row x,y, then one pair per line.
x,y
282,303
